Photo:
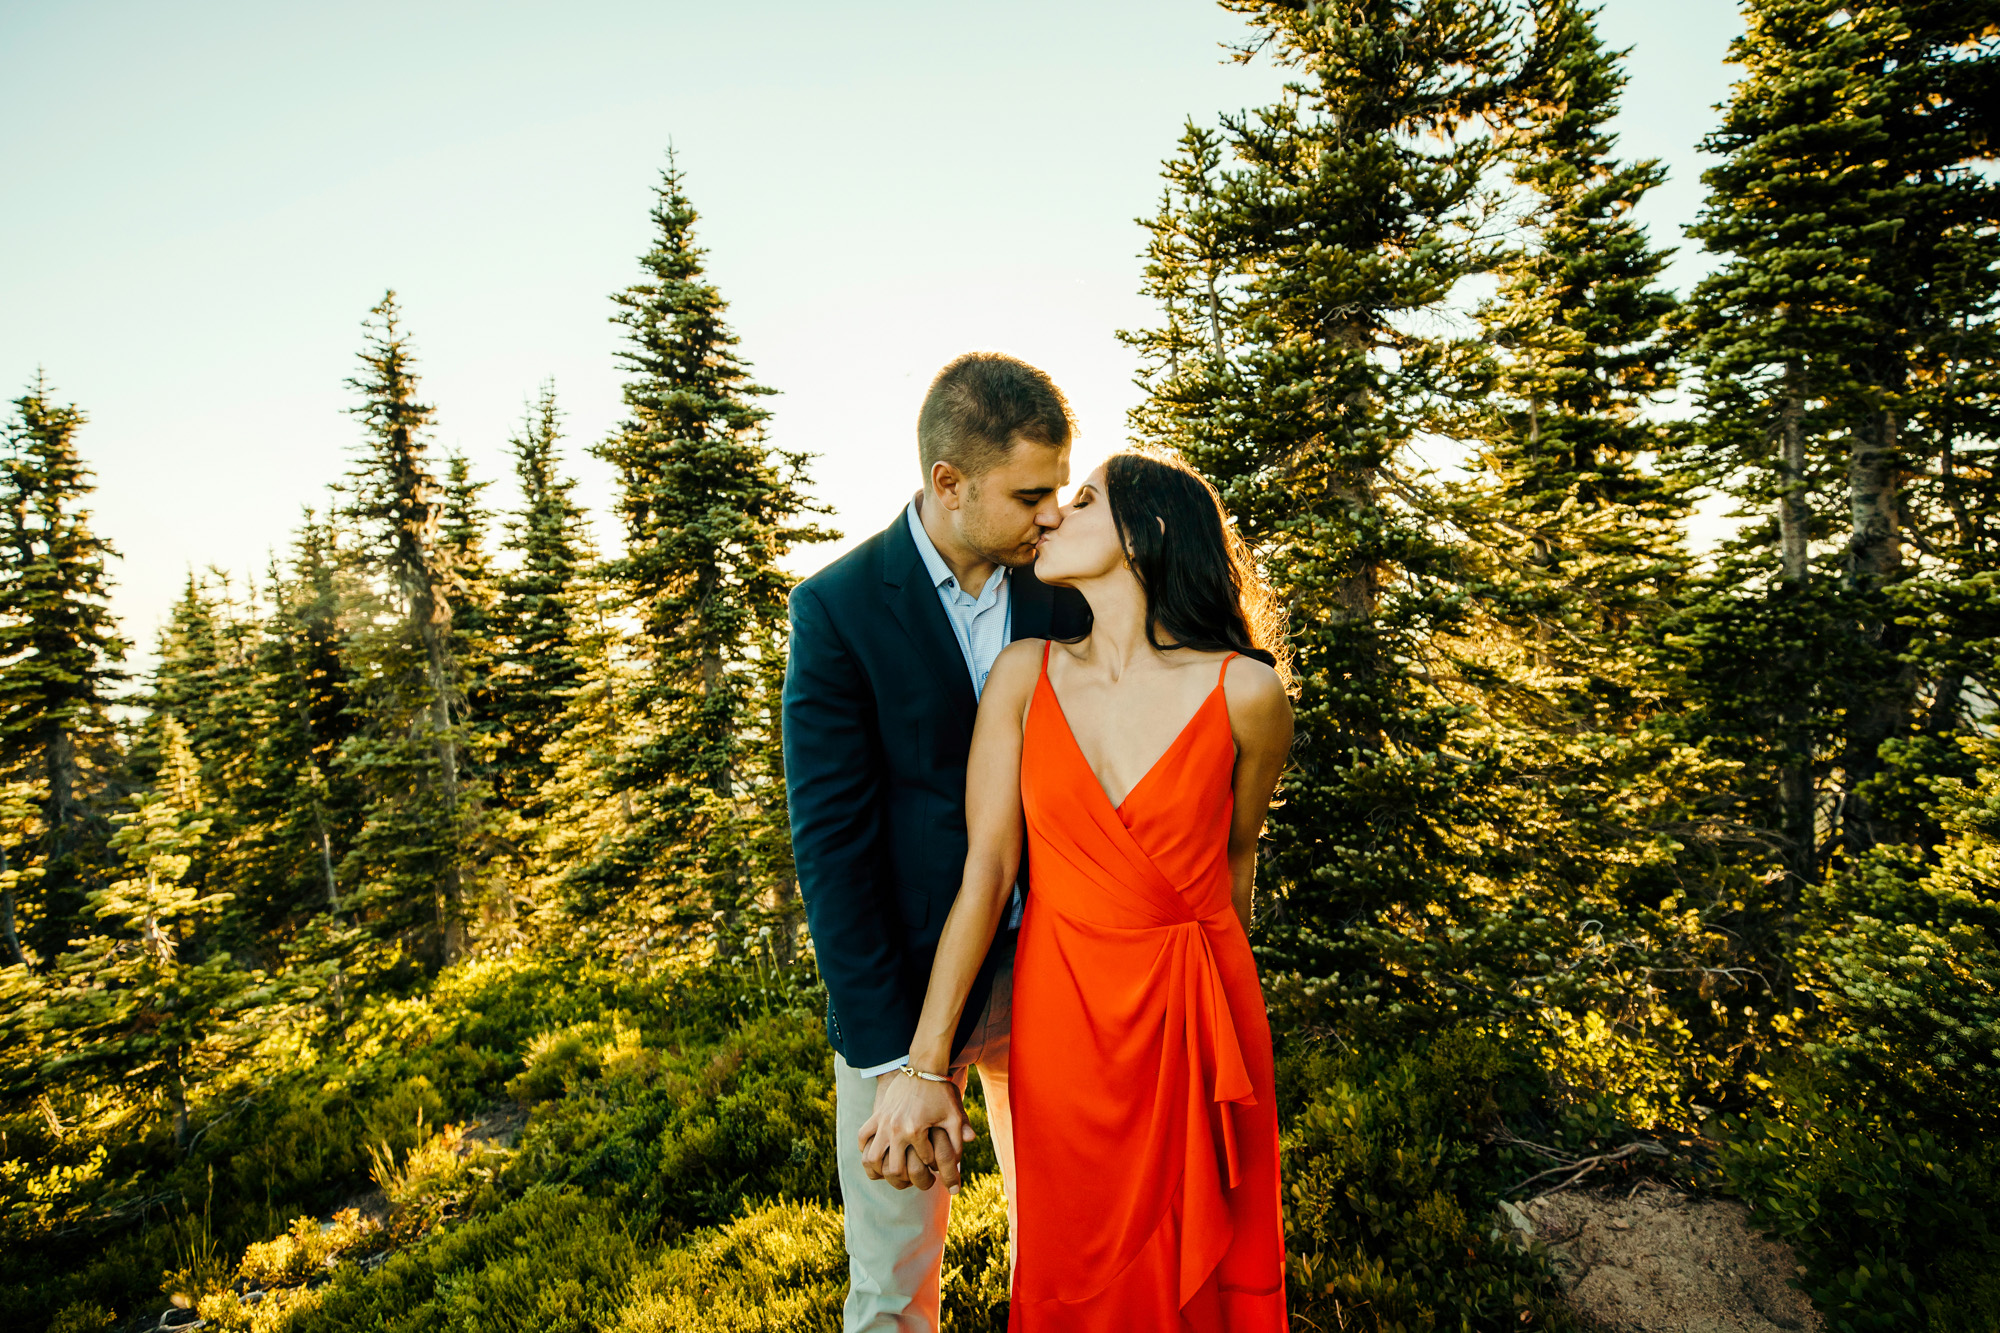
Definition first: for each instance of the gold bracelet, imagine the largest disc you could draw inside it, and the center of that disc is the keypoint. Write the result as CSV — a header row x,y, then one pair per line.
x,y
913,1072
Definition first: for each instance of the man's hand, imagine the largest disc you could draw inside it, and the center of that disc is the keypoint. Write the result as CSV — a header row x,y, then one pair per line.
x,y
917,1133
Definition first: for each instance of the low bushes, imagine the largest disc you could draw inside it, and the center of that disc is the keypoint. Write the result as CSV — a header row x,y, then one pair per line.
x,y
782,1268
551,1261
1391,1183
680,1135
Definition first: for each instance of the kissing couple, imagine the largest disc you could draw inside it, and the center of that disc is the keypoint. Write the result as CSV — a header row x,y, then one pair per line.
x,y
1029,749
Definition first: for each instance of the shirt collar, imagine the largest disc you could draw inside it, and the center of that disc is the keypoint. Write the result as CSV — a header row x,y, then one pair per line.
x,y
940,572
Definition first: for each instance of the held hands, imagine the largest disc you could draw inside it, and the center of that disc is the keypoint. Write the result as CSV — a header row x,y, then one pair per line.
x,y
917,1134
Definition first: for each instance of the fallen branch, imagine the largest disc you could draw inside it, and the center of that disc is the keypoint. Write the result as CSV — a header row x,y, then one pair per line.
x,y
1583,1166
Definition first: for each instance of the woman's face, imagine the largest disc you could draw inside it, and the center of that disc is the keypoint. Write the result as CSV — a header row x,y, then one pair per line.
x,y
1085,545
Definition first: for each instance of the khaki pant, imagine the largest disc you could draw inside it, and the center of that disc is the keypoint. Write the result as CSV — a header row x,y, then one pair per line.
x,y
895,1238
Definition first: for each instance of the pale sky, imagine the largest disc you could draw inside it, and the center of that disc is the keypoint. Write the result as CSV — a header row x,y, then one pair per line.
x,y
201,201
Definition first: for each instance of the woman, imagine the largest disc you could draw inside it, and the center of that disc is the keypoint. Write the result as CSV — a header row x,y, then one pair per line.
x,y
1142,759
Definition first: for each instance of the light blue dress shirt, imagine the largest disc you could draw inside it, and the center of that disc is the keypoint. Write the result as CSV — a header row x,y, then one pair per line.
x,y
983,625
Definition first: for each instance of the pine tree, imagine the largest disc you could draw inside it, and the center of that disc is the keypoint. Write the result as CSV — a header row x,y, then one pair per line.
x,y
58,648
307,803
422,818
1306,275
208,682
462,531
532,615
1844,345
1573,558
710,508
1578,324
585,820
148,1004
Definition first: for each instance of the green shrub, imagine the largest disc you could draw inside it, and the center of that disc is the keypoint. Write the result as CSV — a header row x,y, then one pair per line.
x,y
679,1137
782,1268
1390,1188
1875,1155
551,1261
306,1249
82,1317
1895,1229
426,1184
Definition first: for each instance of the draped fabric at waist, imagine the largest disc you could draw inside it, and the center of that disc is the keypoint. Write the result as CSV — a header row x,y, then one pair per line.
x,y
1168,1021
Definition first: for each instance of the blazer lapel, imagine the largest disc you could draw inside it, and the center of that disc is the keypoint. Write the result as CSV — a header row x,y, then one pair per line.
x,y
906,586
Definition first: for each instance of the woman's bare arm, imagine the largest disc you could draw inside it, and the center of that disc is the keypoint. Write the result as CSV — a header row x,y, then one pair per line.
x,y
1260,718
897,1144
993,850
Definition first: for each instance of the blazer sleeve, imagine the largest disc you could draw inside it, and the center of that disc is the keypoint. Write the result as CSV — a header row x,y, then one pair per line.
x,y
833,780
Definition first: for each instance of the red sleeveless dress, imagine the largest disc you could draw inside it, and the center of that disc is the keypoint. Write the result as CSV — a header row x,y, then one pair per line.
x,y
1145,1121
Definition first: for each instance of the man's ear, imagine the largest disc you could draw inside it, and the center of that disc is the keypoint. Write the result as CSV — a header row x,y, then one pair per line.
x,y
948,484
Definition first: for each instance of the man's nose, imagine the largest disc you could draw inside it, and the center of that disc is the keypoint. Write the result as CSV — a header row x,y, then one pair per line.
x,y
1049,514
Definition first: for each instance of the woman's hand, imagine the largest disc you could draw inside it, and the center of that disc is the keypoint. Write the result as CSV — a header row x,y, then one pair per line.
x,y
917,1134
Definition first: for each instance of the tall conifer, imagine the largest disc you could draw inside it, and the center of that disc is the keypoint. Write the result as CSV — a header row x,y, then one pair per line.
x,y
1839,345
308,802
710,508
149,1003
420,822
1306,276
58,648
532,614
1591,536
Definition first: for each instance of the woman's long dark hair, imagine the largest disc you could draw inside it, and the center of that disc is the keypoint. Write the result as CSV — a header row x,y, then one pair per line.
x,y
1203,590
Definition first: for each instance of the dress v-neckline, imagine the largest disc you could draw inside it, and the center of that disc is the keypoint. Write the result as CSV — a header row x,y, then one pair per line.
x,y
1118,808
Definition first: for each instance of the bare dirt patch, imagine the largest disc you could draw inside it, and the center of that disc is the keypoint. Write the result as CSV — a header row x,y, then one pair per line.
x,y
1663,1262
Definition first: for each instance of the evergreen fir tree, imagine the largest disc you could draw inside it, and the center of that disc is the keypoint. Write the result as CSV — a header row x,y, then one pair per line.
x,y
422,817
586,816
21,836
1589,538
710,507
462,531
1844,345
308,803
58,648
532,615
149,1005
1331,238
207,681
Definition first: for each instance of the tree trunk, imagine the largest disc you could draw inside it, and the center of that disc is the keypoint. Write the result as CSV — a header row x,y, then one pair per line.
x,y
326,859
15,958
433,616
1794,512
61,897
1883,700
177,1093
1875,543
1215,316
1797,800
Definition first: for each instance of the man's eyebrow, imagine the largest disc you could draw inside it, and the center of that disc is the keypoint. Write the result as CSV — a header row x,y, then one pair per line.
x,y
1035,490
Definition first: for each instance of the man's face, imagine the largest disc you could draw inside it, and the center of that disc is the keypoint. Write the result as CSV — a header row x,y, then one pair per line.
x,y
1002,513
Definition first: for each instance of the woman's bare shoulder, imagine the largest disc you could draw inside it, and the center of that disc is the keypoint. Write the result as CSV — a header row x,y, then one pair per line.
x,y
1256,694
1015,670
1018,656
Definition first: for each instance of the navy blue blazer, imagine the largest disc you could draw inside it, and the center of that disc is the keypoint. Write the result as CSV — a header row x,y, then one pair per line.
x,y
878,712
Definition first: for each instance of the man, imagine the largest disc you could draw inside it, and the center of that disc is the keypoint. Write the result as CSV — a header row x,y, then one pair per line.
x,y
890,647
